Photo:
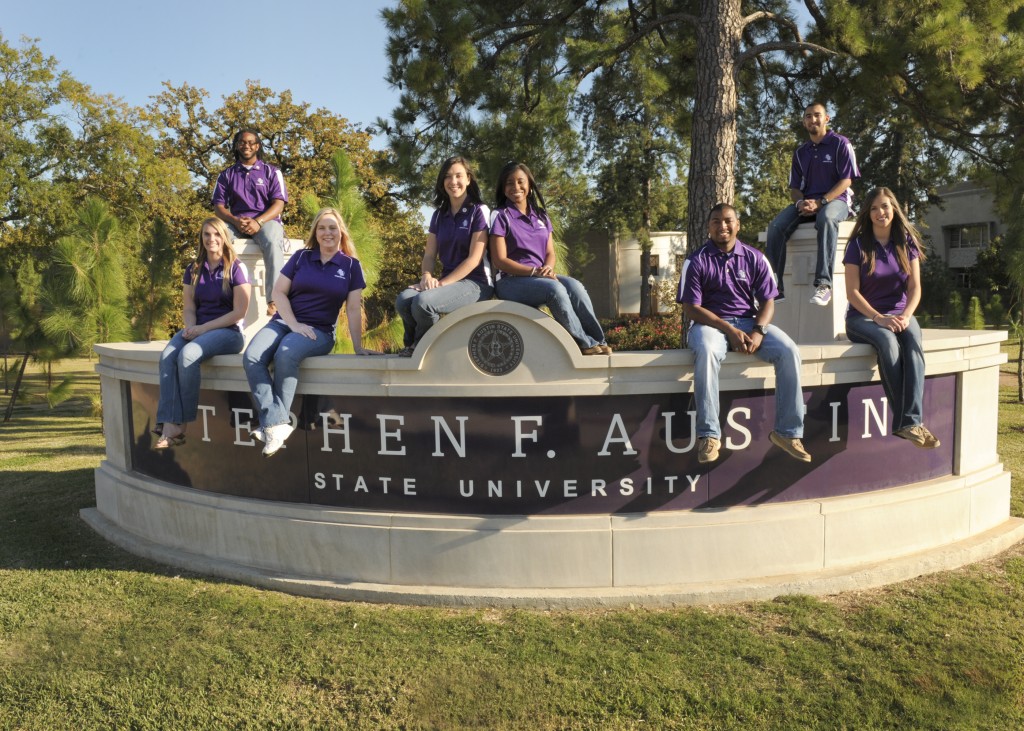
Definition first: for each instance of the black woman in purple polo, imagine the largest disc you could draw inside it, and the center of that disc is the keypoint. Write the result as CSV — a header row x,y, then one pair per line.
x,y
523,251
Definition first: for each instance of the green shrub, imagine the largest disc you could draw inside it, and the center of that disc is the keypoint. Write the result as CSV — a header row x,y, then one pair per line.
x,y
955,311
975,317
995,311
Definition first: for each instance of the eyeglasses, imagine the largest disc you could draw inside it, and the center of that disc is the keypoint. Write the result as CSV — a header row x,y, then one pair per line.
x,y
248,143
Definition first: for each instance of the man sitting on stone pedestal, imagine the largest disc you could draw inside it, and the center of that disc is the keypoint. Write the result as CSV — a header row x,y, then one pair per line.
x,y
819,185
727,290
249,197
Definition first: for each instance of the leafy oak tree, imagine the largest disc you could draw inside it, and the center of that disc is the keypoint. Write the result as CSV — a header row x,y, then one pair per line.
x,y
61,143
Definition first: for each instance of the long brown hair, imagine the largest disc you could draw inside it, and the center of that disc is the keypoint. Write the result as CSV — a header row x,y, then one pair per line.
x,y
347,246
902,232
227,252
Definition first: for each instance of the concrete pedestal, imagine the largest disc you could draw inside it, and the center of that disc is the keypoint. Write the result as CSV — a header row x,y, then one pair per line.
x,y
802,321
252,256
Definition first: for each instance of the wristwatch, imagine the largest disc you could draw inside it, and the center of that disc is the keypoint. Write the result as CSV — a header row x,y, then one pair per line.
x,y
823,201
763,329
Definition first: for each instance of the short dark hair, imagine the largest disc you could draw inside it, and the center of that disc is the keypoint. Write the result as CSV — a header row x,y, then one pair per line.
x,y
238,136
719,207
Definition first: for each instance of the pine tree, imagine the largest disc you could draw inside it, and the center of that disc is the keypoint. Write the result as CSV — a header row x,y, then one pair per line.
x,y
153,295
87,295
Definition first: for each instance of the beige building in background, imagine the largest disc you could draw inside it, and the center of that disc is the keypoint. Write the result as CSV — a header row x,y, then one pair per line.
x,y
962,225
613,276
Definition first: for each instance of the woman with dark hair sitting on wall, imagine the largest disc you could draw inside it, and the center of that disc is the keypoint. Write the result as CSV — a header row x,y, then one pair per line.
x,y
458,234
883,284
523,251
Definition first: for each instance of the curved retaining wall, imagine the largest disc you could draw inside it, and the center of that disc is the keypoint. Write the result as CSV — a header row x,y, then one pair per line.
x,y
499,465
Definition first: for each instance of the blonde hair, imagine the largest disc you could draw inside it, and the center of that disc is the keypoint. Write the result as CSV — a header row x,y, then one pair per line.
x,y
227,251
347,246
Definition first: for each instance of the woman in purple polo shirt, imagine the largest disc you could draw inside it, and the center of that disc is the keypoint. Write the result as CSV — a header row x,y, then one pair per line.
x,y
215,297
523,251
883,284
309,293
458,233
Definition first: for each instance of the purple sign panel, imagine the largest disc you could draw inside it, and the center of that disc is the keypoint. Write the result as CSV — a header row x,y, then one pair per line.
x,y
544,455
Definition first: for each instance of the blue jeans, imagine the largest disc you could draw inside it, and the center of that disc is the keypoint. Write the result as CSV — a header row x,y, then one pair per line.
x,y
709,348
900,365
276,342
567,299
420,311
180,374
270,239
826,222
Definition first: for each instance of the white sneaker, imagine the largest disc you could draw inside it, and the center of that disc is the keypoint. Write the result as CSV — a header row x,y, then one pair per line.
x,y
258,434
822,295
276,436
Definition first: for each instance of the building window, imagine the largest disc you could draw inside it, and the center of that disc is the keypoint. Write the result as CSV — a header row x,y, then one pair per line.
x,y
655,261
963,278
970,235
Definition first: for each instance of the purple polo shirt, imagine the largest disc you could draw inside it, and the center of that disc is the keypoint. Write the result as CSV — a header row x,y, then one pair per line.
x,y
818,167
886,288
209,295
729,285
526,234
247,192
453,232
319,288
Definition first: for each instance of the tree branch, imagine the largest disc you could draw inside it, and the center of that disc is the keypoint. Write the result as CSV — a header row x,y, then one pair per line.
x,y
815,12
791,46
779,19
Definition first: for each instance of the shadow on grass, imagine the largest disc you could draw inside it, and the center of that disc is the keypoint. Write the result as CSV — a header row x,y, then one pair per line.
x,y
40,528
26,425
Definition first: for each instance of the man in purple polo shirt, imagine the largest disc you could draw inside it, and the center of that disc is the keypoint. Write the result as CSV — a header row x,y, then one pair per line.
x,y
819,185
727,290
249,197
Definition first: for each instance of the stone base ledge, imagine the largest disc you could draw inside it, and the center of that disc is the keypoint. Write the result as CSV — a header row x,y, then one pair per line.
x,y
819,583
661,558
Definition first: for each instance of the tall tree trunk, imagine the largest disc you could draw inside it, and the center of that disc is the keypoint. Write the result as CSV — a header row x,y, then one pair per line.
x,y
1020,370
713,143
645,253
17,387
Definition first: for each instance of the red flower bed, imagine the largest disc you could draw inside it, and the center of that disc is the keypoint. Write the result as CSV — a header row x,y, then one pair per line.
x,y
643,333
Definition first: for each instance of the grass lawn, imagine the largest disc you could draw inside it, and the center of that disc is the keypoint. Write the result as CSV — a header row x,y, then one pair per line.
x,y
94,638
